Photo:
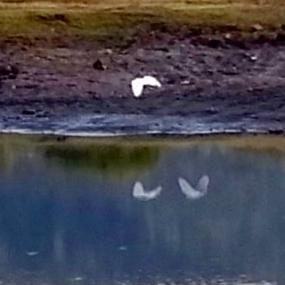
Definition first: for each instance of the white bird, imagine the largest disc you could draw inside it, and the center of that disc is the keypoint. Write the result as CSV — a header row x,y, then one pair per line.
x,y
198,192
138,84
140,193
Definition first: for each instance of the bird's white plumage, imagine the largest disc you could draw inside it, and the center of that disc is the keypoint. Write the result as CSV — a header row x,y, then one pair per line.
x,y
203,183
194,193
151,81
139,83
137,87
140,193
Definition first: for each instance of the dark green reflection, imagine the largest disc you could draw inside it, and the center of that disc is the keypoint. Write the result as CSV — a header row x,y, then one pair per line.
x,y
116,161
7,155
2,157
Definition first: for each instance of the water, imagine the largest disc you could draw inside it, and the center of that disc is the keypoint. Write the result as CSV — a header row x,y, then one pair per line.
x,y
67,214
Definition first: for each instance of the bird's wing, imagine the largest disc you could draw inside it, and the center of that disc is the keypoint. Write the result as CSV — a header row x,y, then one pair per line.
x,y
152,81
140,194
203,183
188,190
137,87
154,192
138,190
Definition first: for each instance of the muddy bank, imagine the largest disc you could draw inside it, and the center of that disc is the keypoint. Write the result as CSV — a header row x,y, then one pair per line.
x,y
206,87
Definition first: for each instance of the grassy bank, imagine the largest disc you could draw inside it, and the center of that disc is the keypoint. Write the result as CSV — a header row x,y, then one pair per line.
x,y
110,18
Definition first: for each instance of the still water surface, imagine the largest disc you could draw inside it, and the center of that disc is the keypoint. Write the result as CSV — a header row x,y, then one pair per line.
x,y
68,216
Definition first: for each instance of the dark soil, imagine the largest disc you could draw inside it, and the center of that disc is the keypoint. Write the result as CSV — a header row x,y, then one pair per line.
x,y
224,78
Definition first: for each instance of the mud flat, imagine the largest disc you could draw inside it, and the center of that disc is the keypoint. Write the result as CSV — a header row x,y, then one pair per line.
x,y
214,80
204,88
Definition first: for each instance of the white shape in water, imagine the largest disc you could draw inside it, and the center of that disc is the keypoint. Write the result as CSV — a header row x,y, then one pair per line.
x,y
139,83
122,248
140,193
77,278
32,253
198,192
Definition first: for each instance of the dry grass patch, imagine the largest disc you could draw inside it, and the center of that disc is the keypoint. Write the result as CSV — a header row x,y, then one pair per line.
x,y
99,19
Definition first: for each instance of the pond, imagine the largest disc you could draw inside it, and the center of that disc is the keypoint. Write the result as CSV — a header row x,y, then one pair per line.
x,y
69,215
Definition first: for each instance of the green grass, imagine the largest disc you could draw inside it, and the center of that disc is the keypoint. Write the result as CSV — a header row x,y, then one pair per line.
x,y
97,19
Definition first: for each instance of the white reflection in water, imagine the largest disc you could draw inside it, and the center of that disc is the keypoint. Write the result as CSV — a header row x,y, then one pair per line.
x,y
140,193
32,253
89,228
199,191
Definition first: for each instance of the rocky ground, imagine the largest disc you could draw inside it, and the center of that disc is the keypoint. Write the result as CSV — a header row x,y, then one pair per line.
x,y
216,78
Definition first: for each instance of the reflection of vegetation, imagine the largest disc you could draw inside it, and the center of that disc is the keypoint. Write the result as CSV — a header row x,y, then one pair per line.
x,y
124,157
2,157
265,144
7,155
111,160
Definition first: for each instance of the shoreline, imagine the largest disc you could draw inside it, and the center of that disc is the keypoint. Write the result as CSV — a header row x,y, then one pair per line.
x,y
113,125
222,79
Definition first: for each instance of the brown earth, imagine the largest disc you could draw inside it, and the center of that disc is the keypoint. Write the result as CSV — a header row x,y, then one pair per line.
x,y
223,76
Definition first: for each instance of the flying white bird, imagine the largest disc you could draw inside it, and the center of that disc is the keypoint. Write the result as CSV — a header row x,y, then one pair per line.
x,y
140,193
198,192
139,83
